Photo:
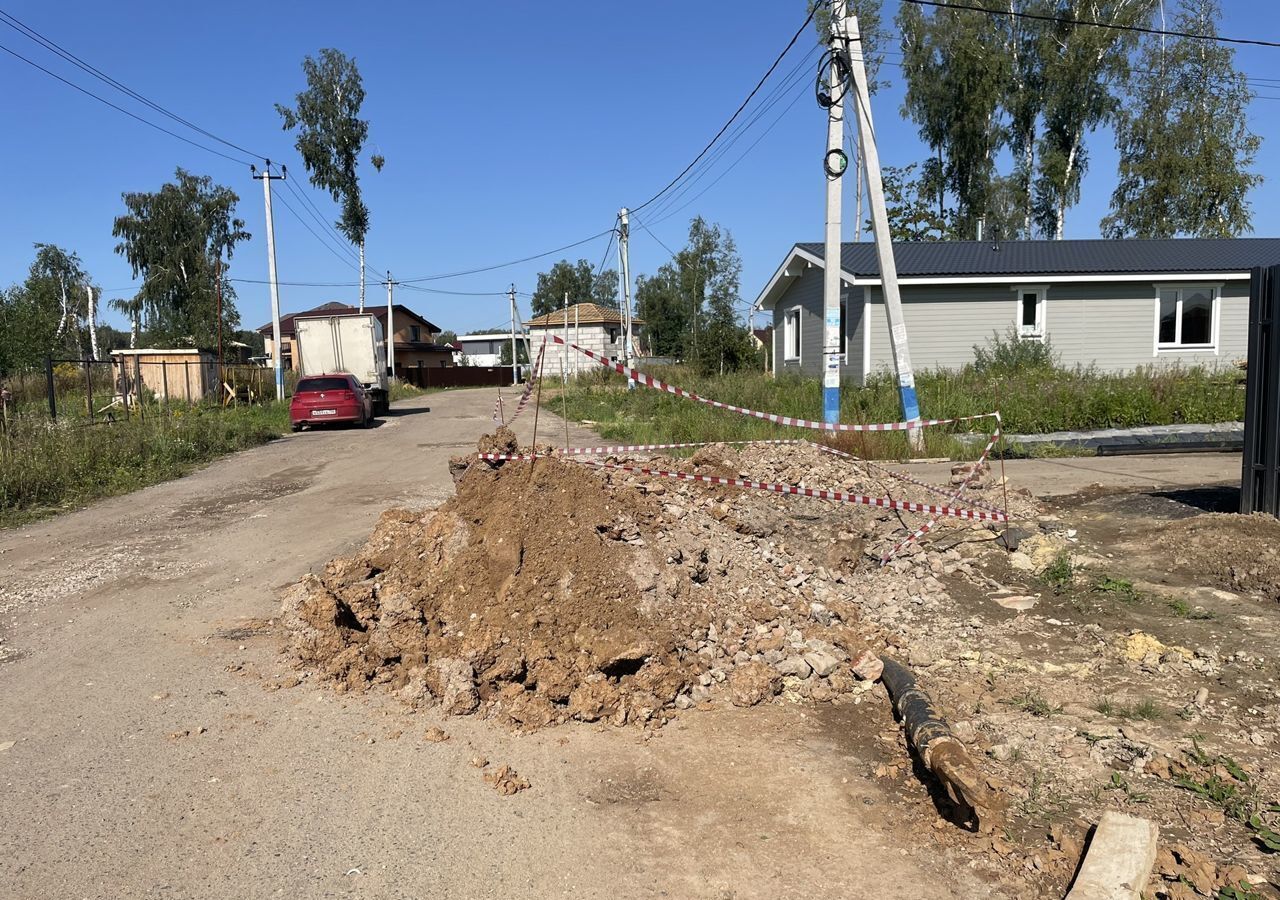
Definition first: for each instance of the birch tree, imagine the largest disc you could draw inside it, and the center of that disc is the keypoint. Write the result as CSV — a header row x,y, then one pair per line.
x,y
1186,150
1082,65
173,238
330,138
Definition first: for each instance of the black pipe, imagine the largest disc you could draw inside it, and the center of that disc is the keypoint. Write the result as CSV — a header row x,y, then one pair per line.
x,y
941,751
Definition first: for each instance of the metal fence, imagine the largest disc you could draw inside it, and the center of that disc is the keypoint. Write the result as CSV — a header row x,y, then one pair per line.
x,y
1260,482
100,391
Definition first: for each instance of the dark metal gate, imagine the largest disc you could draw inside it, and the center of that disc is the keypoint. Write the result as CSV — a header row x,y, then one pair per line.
x,y
1260,484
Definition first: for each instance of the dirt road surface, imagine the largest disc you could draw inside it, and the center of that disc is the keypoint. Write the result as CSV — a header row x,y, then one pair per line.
x,y
162,748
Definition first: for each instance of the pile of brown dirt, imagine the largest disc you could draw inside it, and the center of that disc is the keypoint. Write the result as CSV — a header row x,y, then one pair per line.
x,y
1238,553
552,591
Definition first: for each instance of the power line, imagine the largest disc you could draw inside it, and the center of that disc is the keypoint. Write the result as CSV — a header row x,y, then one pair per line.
x,y
131,115
798,75
342,259
1115,26
785,50
668,211
35,36
503,265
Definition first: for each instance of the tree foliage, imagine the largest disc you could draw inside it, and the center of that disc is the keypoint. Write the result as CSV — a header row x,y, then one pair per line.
x,y
48,313
979,83
912,214
331,135
174,238
1184,141
579,281
690,305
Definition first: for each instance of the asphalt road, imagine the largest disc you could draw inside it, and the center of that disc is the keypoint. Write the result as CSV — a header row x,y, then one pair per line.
x,y
156,752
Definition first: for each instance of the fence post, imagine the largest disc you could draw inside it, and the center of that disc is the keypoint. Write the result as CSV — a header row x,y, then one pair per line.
x,y
48,376
164,383
137,380
88,388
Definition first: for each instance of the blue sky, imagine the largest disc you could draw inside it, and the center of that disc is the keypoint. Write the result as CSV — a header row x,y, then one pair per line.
x,y
508,129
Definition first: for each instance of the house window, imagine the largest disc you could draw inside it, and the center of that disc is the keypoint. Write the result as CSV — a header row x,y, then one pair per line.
x,y
1031,311
613,335
415,333
791,334
1185,317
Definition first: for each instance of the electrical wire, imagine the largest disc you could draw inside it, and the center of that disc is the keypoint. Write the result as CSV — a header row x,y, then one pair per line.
x,y
503,265
1115,26
668,210
798,75
342,259
35,36
128,113
344,246
759,84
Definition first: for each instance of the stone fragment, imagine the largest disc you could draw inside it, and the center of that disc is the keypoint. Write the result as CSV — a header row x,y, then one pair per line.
x,y
752,683
867,666
822,662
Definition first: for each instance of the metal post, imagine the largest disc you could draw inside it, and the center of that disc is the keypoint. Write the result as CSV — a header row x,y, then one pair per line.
x,y
515,365
137,380
577,335
164,384
564,348
218,322
277,350
48,375
391,330
88,389
880,228
834,163
624,277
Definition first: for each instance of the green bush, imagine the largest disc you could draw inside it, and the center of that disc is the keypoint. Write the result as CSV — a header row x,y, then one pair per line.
x,y
1009,354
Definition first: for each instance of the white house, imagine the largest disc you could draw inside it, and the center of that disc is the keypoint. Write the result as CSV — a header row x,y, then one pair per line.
x,y
597,328
1116,305
485,349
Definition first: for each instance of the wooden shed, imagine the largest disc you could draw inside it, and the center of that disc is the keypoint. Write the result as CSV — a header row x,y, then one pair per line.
x,y
181,374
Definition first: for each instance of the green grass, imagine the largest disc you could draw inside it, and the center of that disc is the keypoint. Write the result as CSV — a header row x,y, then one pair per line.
x,y
1031,401
402,390
1120,588
1184,610
1060,572
1035,704
1147,710
46,468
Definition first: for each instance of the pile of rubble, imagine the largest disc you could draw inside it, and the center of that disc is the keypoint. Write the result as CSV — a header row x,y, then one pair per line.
x,y
551,590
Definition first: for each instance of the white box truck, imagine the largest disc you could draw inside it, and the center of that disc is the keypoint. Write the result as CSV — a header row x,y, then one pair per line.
x,y
353,344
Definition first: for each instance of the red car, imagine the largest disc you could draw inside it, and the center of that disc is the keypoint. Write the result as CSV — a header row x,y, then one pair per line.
x,y
320,399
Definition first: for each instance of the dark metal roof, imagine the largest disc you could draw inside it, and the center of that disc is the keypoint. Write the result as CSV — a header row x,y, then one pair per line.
x,y
1091,257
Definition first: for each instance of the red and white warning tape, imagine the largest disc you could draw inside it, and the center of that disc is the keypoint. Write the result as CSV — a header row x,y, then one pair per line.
x,y
928,526
524,397
903,477
658,384
777,488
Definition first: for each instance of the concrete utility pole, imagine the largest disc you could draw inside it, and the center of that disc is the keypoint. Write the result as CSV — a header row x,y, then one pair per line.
x,y
880,229
624,277
515,365
276,350
835,163
391,330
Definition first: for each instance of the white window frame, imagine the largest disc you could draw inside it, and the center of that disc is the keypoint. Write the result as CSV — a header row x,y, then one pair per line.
x,y
790,326
1038,331
1215,295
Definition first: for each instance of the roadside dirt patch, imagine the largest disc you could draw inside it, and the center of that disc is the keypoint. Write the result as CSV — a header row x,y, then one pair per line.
x,y
1232,552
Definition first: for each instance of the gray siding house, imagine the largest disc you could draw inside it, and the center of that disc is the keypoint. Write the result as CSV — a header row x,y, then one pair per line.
x,y
1113,304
